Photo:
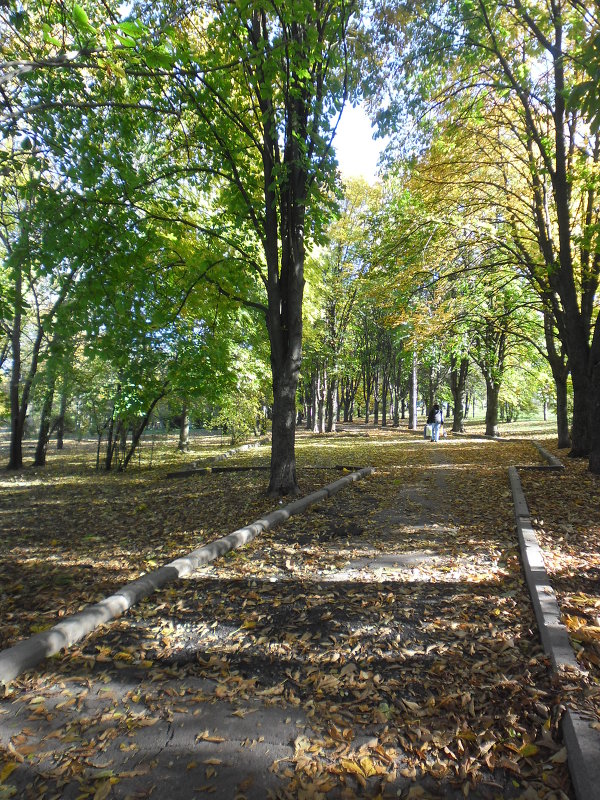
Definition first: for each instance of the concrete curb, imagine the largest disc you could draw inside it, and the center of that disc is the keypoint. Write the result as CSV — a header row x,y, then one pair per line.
x,y
240,449
581,740
553,461
547,613
29,652
184,473
206,467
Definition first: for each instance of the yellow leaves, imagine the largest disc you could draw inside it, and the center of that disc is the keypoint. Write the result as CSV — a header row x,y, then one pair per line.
x,y
369,767
103,790
273,690
344,735
528,750
123,656
587,634
7,770
352,768
205,736
242,712
301,744
143,722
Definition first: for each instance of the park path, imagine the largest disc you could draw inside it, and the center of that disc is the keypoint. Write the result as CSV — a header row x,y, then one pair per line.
x,y
380,645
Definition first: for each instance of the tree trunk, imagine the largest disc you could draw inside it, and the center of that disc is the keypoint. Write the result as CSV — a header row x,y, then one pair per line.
x,y
331,411
594,461
184,430
137,432
580,432
284,216
309,394
283,460
111,442
346,399
413,390
458,385
98,446
491,412
396,407
562,413
44,432
17,420
62,412
319,415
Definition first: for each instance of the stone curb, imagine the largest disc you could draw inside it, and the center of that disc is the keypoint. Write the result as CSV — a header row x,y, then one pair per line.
x,y
553,461
29,652
581,740
240,449
206,467
185,473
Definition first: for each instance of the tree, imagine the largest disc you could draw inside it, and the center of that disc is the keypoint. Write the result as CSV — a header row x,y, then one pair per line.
x,y
250,90
524,56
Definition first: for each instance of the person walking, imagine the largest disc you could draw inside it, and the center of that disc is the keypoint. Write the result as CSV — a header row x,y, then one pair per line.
x,y
436,420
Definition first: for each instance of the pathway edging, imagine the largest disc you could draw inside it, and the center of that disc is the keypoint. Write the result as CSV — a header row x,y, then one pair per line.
x,y
581,740
29,652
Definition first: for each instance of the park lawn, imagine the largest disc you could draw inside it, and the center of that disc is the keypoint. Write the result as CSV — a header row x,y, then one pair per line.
x,y
443,656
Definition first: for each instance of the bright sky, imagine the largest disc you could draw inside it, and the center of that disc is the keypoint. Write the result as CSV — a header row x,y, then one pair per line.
x,y
357,151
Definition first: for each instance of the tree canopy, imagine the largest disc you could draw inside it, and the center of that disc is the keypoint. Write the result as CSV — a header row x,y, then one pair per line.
x,y
168,185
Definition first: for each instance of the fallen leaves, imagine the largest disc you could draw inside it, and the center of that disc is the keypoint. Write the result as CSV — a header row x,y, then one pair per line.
x,y
205,736
401,640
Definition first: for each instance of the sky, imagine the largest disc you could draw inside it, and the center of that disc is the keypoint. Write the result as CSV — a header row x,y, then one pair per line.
x,y
357,151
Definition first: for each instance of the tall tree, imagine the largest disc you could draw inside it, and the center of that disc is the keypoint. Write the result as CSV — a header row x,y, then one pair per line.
x,y
266,80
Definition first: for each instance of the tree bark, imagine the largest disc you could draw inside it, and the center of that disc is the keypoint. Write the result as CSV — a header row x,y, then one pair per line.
x,y
332,407
458,385
44,431
283,461
412,407
396,407
62,412
594,460
17,419
491,412
384,397
137,432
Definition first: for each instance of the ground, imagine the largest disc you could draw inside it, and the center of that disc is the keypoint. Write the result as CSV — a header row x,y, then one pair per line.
x,y
382,644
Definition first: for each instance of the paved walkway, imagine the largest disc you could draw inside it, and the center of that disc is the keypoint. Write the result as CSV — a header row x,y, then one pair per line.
x,y
390,630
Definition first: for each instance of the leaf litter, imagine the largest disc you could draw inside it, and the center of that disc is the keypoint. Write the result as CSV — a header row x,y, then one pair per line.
x,y
390,626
